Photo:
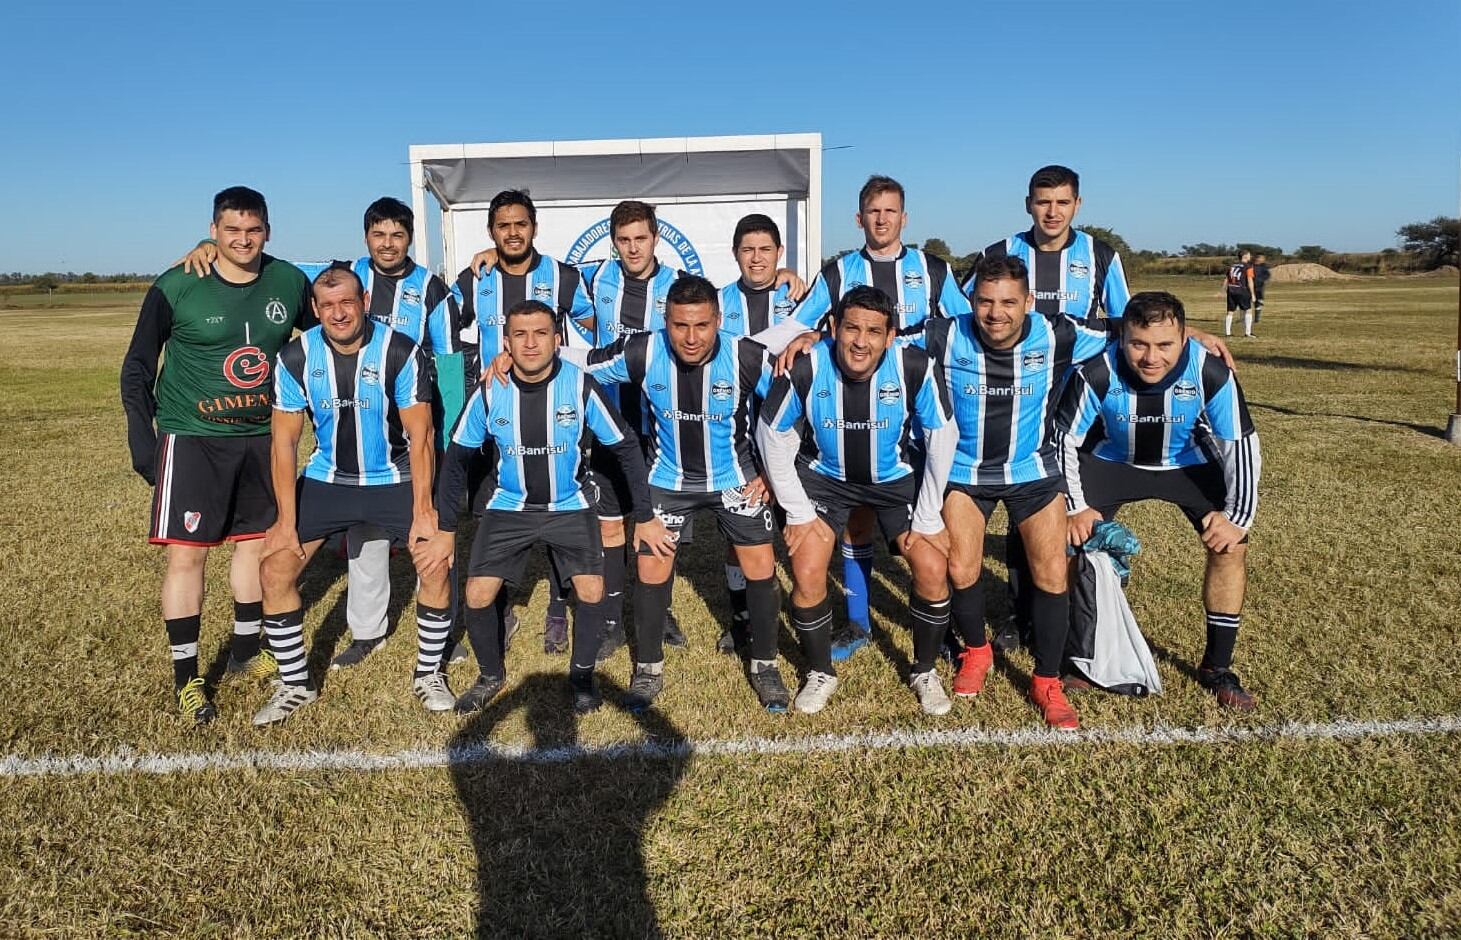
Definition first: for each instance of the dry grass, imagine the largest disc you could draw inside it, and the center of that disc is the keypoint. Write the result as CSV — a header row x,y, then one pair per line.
x,y
1352,613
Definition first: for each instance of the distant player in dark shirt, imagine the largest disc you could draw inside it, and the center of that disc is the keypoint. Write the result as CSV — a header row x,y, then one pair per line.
x,y
1261,274
1238,283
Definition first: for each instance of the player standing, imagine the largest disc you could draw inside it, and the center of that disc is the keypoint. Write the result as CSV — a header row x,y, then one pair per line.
x,y
208,458
1238,283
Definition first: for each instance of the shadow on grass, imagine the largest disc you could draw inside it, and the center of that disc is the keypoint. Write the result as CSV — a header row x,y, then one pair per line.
x,y
1324,365
1426,429
559,833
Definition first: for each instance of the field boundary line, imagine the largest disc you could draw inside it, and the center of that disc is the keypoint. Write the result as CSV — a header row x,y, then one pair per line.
x,y
130,762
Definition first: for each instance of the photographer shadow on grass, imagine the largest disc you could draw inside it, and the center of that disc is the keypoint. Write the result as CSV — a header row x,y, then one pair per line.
x,y
558,830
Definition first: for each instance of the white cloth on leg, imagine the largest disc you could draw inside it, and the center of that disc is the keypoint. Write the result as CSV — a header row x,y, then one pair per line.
x,y
368,593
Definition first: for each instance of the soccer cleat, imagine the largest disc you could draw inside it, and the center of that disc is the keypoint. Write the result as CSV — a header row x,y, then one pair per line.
x,y
815,692
1045,692
193,702
952,648
459,653
930,692
261,667
585,693
770,690
555,634
1230,693
1075,682
848,639
481,692
356,653
674,636
1007,638
644,688
286,700
612,641
974,666
433,692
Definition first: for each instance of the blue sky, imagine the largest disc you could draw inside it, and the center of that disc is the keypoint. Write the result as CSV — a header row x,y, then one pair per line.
x,y
1288,124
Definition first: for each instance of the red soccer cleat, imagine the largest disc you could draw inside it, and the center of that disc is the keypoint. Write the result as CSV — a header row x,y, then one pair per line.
x,y
974,666
1050,699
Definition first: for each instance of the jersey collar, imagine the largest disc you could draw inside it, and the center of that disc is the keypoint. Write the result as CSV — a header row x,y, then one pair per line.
x,y
552,374
868,255
1029,237
401,275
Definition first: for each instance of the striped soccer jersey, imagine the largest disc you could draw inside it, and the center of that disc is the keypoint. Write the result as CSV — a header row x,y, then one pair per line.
x,y
1004,398
413,302
859,432
701,414
354,402
542,431
920,285
486,298
1084,276
745,311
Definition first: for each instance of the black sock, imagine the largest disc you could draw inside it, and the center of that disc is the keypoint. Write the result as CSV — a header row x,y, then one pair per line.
x,y
1051,616
967,606
182,636
557,593
1222,636
650,603
614,563
736,585
484,631
248,620
930,623
588,633
814,629
763,601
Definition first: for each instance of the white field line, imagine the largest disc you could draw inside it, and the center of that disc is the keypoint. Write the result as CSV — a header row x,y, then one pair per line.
x,y
126,762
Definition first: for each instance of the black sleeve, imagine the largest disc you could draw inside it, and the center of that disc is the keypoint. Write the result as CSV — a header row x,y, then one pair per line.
x,y
628,452
451,484
139,379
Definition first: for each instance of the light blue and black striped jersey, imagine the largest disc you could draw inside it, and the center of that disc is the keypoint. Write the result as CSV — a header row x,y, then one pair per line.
x,y
542,432
624,305
920,285
413,302
354,402
1083,277
701,415
745,311
1004,398
859,432
486,298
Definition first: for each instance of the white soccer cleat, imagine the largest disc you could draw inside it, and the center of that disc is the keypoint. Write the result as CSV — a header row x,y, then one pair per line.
x,y
930,692
434,693
287,700
815,692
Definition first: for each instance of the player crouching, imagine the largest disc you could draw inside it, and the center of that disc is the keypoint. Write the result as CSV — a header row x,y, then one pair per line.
x,y
1163,419
367,392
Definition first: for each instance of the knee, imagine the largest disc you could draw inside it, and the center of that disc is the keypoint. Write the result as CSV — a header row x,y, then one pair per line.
x,y
590,590
1052,577
758,566
186,560
479,593
964,574
277,572
612,532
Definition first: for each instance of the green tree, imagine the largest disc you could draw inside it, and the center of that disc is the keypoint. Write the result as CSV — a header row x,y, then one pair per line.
x,y
47,282
1434,243
939,247
1110,238
1314,253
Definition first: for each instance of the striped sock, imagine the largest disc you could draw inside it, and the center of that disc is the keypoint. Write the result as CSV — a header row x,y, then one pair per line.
x,y
814,628
433,626
1222,636
285,633
857,575
930,623
182,637
248,618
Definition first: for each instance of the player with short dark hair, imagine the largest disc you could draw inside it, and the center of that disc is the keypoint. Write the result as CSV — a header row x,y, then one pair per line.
x,y
540,422
207,458
1261,274
366,391
698,383
1160,418
1239,286
860,400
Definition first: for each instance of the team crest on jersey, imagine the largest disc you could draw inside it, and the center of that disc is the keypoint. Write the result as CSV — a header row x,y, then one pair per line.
x,y
1033,360
888,393
276,311
912,279
370,375
721,390
1079,269
565,415
783,307
1184,391
246,367
542,292
410,295
191,520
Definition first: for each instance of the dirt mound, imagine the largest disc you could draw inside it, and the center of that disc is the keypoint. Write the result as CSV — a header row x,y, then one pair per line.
x,y
1445,270
1306,271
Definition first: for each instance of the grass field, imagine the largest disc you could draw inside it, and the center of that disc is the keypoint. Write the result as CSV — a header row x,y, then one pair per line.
x,y
1352,615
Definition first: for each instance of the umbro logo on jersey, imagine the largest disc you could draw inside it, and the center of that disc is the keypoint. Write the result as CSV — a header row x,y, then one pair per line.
x,y
824,393
1033,360
1079,269
733,315
721,390
276,311
410,296
370,375
963,360
502,422
609,301
191,520
565,415
889,393
318,373
912,279
485,289
658,387
1184,391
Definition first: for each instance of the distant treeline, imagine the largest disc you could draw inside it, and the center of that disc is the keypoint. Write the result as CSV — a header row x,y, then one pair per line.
x,y
72,283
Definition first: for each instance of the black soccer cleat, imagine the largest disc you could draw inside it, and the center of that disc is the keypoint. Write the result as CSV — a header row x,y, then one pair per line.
x,y
674,636
770,690
484,690
643,689
585,693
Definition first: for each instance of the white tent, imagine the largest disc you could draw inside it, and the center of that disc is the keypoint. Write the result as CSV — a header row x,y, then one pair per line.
x,y
700,187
